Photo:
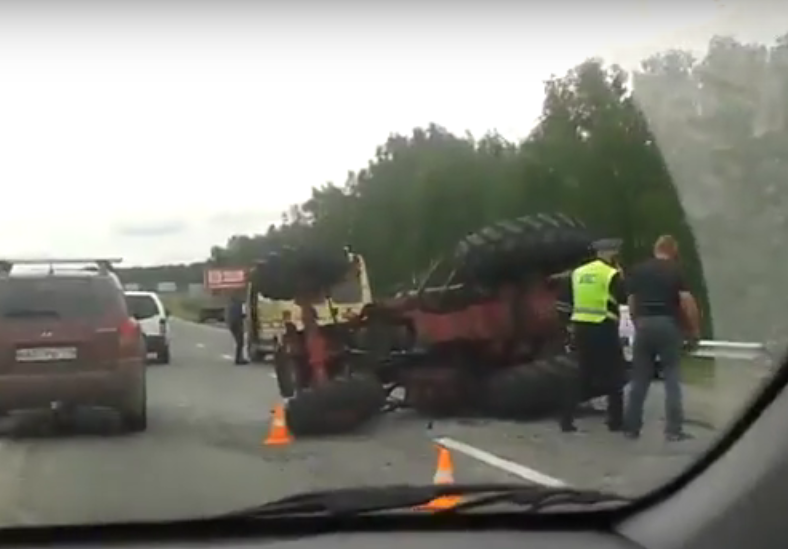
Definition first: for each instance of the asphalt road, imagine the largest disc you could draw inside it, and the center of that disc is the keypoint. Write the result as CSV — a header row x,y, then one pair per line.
x,y
203,454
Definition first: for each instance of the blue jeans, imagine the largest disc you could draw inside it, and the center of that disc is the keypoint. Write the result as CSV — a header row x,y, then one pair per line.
x,y
657,336
237,331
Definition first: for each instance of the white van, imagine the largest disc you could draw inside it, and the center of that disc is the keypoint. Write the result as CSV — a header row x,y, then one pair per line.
x,y
150,312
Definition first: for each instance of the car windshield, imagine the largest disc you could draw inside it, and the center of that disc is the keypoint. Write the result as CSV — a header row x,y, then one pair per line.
x,y
56,297
535,245
141,306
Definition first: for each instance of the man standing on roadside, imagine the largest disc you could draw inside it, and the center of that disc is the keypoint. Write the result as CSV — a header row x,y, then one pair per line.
x,y
660,305
595,292
235,322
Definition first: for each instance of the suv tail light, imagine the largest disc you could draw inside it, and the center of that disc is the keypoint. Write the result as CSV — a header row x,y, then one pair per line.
x,y
129,337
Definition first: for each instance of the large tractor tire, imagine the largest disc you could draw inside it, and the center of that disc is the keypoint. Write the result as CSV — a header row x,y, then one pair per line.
x,y
291,272
542,243
532,390
338,406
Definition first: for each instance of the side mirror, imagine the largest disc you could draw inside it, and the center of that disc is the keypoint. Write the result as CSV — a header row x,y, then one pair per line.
x,y
166,312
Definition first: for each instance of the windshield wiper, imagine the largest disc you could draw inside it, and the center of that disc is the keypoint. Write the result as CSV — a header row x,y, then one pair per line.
x,y
359,501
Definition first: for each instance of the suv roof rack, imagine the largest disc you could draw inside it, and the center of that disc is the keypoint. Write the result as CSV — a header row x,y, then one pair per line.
x,y
102,265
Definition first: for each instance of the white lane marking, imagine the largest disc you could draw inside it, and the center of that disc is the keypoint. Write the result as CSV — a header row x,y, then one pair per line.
x,y
228,357
273,375
511,467
201,345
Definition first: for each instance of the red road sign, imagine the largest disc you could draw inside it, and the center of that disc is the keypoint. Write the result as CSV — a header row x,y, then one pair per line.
x,y
223,279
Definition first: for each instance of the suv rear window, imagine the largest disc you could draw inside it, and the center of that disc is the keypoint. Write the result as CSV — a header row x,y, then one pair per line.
x,y
142,306
59,297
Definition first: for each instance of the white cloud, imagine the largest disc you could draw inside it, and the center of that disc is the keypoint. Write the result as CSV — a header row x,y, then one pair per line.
x,y
121,116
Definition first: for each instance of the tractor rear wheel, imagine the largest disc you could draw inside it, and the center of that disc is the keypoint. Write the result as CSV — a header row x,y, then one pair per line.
x,y
545,243
337,406
532,390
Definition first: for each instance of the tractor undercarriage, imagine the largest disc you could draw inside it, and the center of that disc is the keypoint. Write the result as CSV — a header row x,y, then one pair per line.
x,y
488,341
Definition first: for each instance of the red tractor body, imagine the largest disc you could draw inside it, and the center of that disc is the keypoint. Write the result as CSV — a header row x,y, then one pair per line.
x,y
488,322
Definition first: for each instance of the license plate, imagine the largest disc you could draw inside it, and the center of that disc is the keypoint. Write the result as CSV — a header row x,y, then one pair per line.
x,y
46,354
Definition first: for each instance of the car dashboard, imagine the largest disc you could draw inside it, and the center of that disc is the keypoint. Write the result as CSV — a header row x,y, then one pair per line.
x,y
418,538
442,540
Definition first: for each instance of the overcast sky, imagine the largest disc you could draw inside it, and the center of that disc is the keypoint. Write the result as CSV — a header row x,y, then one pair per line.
x,y
152,131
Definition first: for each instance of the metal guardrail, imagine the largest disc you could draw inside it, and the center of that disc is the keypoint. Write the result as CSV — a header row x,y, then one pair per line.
x,y
741,350
732,350
706,348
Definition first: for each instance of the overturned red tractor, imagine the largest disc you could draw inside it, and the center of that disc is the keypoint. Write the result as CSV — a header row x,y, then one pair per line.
x,y
489,340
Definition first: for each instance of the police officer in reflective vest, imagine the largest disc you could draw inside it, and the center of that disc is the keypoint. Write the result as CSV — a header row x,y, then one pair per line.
x,y
596,292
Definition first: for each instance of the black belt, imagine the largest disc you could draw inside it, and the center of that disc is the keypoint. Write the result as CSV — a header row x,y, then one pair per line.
x,y
655,310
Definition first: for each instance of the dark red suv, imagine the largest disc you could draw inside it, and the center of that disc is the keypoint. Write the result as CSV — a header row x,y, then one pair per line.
x,y
67,341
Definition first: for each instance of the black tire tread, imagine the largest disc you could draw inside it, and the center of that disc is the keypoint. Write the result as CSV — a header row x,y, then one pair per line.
x,y
545,243
532,390
338,406
163,356
136,421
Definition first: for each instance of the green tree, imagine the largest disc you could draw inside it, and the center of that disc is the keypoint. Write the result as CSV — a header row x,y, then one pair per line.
x,y
697,147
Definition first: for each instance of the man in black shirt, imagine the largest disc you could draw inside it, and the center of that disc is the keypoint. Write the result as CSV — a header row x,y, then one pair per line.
x,y
659,302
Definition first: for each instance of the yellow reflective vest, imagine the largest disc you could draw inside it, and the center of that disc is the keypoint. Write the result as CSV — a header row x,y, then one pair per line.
x,y
591,296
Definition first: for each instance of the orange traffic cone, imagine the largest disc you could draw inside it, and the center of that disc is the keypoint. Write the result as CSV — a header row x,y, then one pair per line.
x,y
279,435
443,475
